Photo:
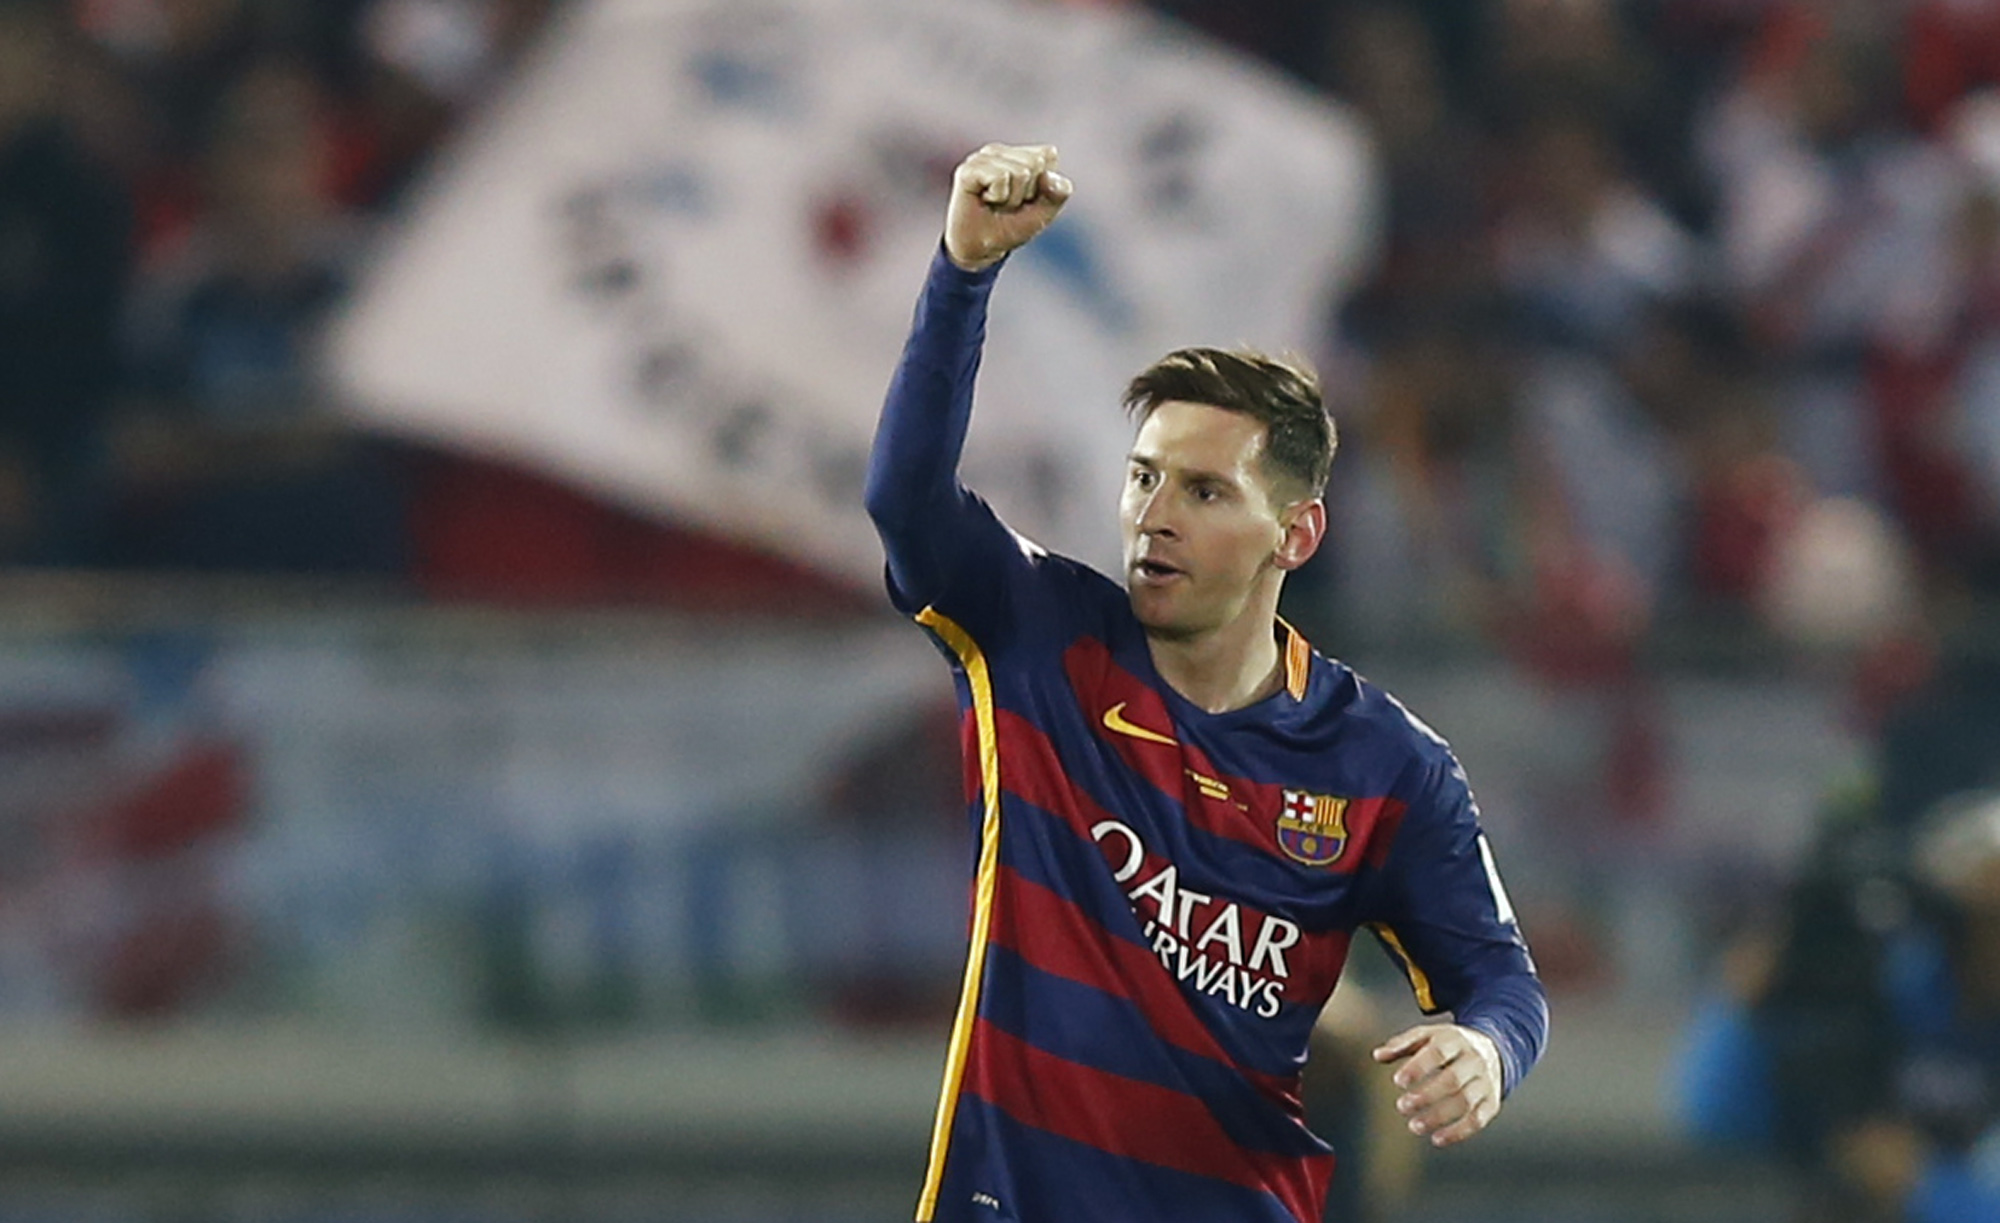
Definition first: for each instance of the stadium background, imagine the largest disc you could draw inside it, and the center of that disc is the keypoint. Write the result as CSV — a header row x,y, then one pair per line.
x,y
409,817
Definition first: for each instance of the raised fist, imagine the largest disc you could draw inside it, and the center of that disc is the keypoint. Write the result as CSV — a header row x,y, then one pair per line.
x,y
1001,197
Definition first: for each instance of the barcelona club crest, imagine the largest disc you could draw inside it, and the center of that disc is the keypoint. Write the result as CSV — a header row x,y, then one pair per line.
x,y
1312,828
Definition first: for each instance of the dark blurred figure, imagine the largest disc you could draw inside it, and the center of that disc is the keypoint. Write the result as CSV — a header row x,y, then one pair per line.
x,y
1581,50
1583,247
1286,33
886,858
1347,1105
1385,62
227,459
1945,736
1934,372
1951,48
1814,232
407,72
1423,520
160,72
1859,1040
64,260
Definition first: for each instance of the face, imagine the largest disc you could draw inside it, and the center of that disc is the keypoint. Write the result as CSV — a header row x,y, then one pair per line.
x,y
1205,534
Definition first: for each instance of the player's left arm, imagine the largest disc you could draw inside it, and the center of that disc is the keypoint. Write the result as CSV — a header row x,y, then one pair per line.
x,y
1444,915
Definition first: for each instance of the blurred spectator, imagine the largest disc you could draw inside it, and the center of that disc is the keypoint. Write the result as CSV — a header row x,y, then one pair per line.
x,y
1578,51
1953,48
1348,1104
419,64
1588,264
171,62
891,822
1424,526
1813,224
1385,62
227,460
1583,249
1862,1042
1286,33
1944,737
1932,374
64,256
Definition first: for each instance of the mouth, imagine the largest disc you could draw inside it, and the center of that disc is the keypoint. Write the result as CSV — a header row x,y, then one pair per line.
x,y
1153,572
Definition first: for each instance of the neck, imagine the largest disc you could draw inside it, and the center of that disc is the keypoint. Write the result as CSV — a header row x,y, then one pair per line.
x,y
1236,665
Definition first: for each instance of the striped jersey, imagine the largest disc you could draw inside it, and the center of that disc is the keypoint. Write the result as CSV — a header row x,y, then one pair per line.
x,y
1163,897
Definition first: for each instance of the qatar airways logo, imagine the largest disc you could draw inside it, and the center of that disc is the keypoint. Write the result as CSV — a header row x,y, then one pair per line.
x,y
1203,941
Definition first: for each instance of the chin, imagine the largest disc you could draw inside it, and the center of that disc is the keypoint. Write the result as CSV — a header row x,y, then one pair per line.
x,y
1159,621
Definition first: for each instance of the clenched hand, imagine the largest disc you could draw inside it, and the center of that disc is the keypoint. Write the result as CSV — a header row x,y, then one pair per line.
x,y
1001,197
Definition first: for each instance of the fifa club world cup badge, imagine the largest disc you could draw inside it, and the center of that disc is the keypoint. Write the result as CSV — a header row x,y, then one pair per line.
x,y
1312,828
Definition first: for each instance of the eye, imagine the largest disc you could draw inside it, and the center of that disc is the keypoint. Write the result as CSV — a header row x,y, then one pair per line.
x,y
1144,478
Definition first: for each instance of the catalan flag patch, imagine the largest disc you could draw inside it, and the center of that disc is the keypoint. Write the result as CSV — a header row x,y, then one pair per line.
x,y
1312,828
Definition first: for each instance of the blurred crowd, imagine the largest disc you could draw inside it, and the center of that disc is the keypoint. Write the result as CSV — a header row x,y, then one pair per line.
x,y
1686,308
186,187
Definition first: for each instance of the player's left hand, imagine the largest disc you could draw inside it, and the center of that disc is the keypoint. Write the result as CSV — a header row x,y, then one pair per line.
x,y
1449,1079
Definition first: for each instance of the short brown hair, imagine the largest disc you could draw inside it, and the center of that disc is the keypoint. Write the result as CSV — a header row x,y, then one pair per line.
x,y
1282,393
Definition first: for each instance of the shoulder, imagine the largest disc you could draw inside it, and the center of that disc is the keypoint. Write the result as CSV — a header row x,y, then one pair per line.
x,y
1078,597
1388,727
1034,600
1348,736
1055,575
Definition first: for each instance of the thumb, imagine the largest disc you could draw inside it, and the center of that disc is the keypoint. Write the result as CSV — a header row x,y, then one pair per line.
x,y
1402,1044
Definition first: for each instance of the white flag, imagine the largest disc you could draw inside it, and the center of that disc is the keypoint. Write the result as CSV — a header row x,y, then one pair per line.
x,y
676,264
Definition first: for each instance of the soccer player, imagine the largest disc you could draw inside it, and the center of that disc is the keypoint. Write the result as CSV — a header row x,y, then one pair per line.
x,y
1183,811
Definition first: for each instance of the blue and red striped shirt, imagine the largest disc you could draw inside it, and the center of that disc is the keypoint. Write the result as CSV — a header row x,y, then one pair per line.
x,y
1164,897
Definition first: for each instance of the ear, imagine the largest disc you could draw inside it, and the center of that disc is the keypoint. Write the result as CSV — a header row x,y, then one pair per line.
x,y
1305,526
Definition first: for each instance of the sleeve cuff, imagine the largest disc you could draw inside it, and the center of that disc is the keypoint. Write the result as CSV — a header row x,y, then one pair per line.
x,y
946,273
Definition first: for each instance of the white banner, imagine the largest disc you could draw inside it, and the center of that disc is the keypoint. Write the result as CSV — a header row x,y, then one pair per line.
x,y
677,264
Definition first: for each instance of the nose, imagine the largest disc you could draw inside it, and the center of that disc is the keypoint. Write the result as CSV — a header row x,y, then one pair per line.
x,y
1152,516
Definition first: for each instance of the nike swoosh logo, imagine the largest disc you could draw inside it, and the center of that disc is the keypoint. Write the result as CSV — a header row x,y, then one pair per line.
x,y
1114,721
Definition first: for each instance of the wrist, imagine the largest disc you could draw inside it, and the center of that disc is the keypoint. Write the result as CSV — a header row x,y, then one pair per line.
x,y
1488,1049
966,264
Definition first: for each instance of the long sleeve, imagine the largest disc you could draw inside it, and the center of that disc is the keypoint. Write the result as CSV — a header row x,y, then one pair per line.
x,y
1514,1010
913,493
1448,921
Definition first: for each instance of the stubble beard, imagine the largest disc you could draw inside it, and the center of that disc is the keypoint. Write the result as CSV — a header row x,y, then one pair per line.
x,y
1158,627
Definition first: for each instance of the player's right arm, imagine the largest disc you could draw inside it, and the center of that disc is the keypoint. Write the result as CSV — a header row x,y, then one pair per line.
x,y
934,530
